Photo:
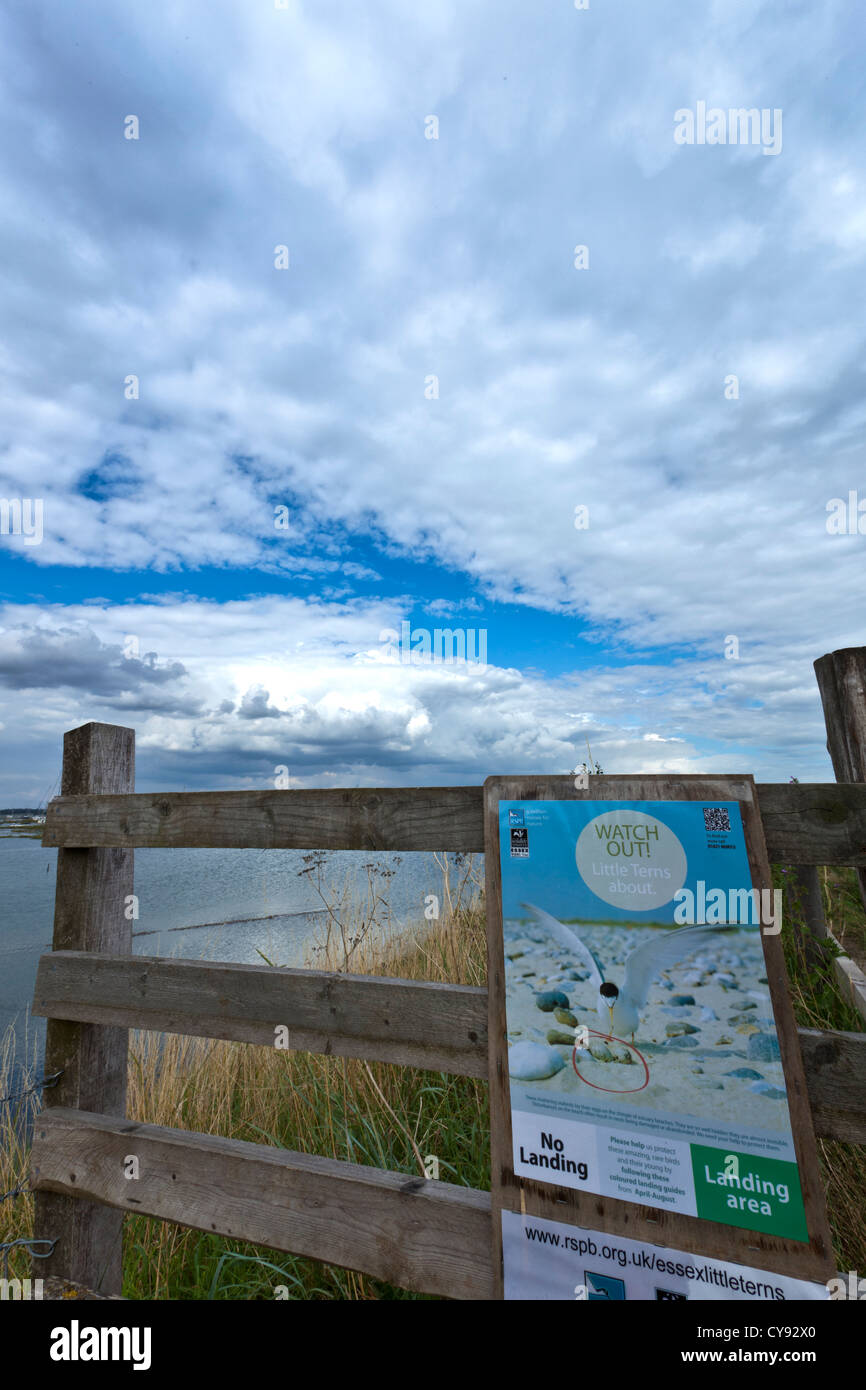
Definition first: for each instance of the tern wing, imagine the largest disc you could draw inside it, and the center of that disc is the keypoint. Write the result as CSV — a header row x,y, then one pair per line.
x,y
646,962
571,941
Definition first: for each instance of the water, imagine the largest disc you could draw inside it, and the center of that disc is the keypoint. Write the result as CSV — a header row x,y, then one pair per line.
x,y
252,899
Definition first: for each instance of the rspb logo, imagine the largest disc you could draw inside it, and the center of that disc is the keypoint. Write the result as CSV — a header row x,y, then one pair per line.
x,y
515,817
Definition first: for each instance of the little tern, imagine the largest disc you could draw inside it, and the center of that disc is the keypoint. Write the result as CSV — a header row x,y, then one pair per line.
x,y
621,1006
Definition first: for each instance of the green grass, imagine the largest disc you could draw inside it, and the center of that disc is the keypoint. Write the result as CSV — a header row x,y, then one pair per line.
x,y
818,1003
843,908
372,1114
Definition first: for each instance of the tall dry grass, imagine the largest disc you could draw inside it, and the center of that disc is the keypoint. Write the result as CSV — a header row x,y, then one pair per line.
x,y
19,1105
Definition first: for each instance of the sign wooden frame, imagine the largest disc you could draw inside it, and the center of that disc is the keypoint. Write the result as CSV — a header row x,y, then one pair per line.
x,y
813,1261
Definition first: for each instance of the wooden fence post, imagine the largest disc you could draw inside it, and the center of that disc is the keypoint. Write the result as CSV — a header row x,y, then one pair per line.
x,y
805,887
89,915
841,680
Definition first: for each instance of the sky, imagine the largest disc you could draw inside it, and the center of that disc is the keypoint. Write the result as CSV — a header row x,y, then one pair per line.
x,y
298,345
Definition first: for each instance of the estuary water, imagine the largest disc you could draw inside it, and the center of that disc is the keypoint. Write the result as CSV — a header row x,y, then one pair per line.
x,y
216,904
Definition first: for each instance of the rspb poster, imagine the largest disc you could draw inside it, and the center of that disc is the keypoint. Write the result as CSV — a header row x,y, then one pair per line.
x,y
549,1260
643,1057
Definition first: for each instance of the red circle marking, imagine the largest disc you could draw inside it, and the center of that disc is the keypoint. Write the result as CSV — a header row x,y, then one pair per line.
x,y
612,1090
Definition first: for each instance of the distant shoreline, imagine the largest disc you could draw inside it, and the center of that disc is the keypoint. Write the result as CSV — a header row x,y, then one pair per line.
x,y
21,823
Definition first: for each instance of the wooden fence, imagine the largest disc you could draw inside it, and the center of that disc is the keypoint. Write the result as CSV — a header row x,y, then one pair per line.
x,y
432,1237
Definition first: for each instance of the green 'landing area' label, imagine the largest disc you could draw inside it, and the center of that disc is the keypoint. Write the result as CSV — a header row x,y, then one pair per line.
x,y
742,1190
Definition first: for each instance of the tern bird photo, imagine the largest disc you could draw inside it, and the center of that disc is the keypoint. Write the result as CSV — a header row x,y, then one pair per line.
x,y
620,1006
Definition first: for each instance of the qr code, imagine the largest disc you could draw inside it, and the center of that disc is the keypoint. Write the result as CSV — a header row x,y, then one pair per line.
x,y
716,818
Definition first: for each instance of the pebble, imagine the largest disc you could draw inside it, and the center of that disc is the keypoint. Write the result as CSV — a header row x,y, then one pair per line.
x,y
709,1015
550,999
560,1039
748,1029
515,955
682,1000
678,1030
600,1051
745,1074
763,1088
698,1070
763,1047
707,1084
727,981
681,1042
565,1016
530,1061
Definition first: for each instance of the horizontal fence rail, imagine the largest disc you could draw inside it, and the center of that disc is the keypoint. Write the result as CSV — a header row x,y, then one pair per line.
x,y
429,1237
835,1067
804,823
401,818
438,1027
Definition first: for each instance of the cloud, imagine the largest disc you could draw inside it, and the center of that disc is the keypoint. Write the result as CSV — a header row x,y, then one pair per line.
x,y
307,687
254,705
413,258
36,658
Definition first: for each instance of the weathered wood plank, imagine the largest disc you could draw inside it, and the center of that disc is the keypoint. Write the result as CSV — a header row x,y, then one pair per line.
x,y
835,1067
439,1027
400,818
813,822
841,677
806,823
92,885
804,887
431,1237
